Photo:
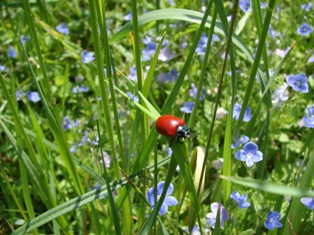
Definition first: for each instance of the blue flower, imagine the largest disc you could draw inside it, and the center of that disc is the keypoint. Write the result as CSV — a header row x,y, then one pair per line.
x,y
249,154
311,59
87,57
193,92
132,96
211,217
66,123
282,53
73,148
237,142
280,95
272,220
201,46
169,152
171,2
3,68
80,89
128,16
19,94
149,50
107,159
63,28
244,5
169,200
165,54
306,6
240,200
33,96
133,76
273,33
24,39
12,52
308,202
298,82
78,78
309,117
170,77
85,139
187,108
237,110
304,29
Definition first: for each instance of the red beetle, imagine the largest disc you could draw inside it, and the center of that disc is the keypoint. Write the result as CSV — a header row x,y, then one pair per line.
x,y
172,126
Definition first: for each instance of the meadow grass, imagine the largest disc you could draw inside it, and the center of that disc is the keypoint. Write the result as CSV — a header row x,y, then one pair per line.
x,y
83,82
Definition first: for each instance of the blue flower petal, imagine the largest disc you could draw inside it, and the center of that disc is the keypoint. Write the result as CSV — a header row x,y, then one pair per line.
x,y
163,209
250,147
249,162
170,201
241,155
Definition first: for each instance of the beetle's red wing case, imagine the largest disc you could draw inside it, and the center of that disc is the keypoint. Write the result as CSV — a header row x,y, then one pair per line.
x,y
167,125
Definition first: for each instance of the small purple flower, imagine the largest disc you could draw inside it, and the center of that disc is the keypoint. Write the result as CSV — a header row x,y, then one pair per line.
x,y
187,108
107,159
169,200
24,39
12,52
170,77
132,76
249,154
85,139
171,2
132,96
165,54
306,6
128,16
282,53
309,117
237,110
211,217
63,28
240,200
244,5
73,148
19,94
273,33
237,142
33,96
311,59
87,57
272,220
201,46
308,202
298,83
169,152
3,68
305,29
77,89
280,95
147,39
66,123
193,91
150,48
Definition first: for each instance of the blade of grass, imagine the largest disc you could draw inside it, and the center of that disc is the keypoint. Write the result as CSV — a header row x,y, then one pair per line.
x,y
105,105
80,201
